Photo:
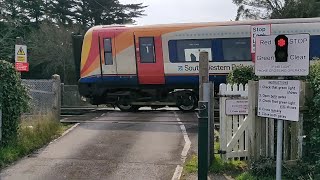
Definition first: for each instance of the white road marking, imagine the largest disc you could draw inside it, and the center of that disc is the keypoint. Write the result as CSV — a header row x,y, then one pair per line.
x,y
179,168
65,133
102,114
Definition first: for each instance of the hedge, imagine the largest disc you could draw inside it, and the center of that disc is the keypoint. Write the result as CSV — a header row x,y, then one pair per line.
x,y
241,74
13,101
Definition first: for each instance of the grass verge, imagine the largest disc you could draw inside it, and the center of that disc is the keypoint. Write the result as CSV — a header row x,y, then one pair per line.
x,y
32,135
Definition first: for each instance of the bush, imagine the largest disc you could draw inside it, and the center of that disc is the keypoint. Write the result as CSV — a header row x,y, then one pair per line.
x,y
241,74
13,101
312,119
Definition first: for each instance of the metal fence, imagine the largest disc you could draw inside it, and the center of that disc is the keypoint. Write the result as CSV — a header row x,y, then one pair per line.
x,y
45,95
72,98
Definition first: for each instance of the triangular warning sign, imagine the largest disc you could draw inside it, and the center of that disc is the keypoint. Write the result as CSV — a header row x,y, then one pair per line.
x,y
21,52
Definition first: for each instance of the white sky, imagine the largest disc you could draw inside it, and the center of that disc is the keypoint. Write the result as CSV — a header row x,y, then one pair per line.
x,y
181,11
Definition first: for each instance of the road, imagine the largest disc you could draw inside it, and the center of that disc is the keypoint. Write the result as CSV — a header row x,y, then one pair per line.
x,y
114,145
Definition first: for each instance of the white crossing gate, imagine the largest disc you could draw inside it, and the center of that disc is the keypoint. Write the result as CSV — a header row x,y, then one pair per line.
x,y
234,123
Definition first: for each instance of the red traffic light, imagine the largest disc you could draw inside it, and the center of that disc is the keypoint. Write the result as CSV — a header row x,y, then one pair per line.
x,y
281,42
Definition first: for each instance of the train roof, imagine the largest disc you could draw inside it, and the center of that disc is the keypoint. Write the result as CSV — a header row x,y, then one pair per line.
x,y
223,23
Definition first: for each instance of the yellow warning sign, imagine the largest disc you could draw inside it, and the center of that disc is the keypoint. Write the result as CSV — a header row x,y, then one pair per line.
x,y
21,59
21,52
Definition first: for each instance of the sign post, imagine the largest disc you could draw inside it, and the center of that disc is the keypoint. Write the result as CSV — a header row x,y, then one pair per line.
x,y
282,55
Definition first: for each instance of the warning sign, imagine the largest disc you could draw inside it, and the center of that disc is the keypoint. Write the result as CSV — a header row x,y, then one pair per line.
x,y
22,67
21,53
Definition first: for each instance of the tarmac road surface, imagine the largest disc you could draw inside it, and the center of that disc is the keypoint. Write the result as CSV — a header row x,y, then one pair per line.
x,y
113,145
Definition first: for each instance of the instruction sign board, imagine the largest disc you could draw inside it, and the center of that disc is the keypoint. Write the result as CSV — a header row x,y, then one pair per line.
x,y
237,106
279,99
259,30
298,56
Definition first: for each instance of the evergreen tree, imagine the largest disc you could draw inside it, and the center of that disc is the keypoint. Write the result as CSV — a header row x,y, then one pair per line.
x,y
99,12
62,11
32,11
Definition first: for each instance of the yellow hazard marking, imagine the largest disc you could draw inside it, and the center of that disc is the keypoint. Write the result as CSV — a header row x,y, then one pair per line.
x,y
21,51
21,59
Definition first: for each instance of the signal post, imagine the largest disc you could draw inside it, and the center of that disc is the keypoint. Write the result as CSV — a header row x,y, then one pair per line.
x,y
281,56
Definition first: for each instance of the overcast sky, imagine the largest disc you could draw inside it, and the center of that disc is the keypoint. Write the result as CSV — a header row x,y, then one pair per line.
x,y
180,11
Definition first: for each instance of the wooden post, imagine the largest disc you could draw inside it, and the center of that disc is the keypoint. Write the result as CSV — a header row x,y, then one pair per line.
x,y
252,98
271,138
223,122
57,96
203,72
264,134
294,140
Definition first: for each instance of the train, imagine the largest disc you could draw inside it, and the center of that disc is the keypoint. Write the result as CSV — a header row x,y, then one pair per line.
x,y
130,66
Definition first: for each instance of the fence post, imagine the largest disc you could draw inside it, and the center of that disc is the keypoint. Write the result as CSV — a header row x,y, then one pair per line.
x,y
252,98
223,121
56,87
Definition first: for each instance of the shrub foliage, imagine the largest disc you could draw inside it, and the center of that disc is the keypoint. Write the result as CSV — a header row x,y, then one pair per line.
x,y
241,74
312,120
13,101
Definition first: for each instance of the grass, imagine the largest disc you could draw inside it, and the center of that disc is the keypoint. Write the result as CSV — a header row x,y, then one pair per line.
x,y
236,169
249,176
233,168
32,135
191,165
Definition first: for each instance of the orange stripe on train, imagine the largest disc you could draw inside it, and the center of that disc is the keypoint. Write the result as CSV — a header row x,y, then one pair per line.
x,y
123,38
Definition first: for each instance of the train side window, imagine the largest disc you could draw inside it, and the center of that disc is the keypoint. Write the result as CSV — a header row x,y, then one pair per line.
x,y
189,50
314,47
236,49
108,59
147,50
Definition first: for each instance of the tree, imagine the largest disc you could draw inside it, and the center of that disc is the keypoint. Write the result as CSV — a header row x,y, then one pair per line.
x,y
51,52
33,10
47,25
99,12
62,11
277,9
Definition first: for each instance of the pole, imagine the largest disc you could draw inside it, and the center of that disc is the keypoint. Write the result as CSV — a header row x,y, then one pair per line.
x,y
207,98
203,141
203,126
279,145
279,149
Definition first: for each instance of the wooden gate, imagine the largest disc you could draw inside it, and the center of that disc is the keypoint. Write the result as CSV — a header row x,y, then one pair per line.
x,y
249,136
234,136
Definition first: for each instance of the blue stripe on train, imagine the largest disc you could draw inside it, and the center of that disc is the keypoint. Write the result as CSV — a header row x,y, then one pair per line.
x,y
132,80
115,80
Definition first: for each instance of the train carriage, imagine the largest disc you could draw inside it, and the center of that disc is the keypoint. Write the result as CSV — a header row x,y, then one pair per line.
x,y
158,65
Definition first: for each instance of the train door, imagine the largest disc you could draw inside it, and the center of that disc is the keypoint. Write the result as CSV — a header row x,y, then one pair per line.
x,y
107,54
150,67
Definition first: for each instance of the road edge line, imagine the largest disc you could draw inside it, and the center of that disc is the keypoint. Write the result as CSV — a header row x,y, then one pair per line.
x,y
65,133
178,172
